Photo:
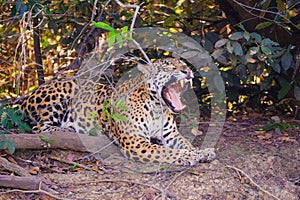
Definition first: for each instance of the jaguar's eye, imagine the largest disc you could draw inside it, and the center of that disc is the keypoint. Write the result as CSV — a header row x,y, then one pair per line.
x,y
184,71
171,68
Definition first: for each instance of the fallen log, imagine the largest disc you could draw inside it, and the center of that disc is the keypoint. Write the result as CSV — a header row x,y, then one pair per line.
x,y
64,140
11,167
24,183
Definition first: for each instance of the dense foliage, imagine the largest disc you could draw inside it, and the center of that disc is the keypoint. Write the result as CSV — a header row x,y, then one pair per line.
x,y
256,69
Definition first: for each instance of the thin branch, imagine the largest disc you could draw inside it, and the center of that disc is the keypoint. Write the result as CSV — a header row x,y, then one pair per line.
x,y
34,191
26,185
165,190
249,10
252,181
88,24
72,163
122,180
136,7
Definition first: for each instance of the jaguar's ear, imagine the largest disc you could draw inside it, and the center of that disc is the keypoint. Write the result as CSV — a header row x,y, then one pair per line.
x,y
145,69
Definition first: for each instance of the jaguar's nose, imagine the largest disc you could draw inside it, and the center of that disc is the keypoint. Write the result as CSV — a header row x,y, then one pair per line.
x,y
189,74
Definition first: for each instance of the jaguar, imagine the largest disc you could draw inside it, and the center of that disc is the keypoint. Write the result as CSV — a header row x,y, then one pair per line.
x,y
146,131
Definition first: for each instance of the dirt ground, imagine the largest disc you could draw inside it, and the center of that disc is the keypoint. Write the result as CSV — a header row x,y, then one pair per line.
x,y
249,165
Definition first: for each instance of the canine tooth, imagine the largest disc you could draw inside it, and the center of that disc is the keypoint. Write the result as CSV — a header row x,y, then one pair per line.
x,y
182,83
191,82
168,97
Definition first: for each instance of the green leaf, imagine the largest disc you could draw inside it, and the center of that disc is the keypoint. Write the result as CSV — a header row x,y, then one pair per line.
x,y
119,103
51,140
3,137
18,4
118,117
297,92
286,60
111,38
94,131
105,105
2,144
119,40
22,10
123,108
276,67
237,49
284,90
92,116
73,166
221,43
169,21
268,127
269,42
233,58
266,50
265,5
124,31
281,6
128,38
256,37
43,138
229,47
247,35
241,26
217,53
263,25
237,36
103,26
10,147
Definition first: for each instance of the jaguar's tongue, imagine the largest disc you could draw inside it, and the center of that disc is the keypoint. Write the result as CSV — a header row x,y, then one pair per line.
x,y
172,94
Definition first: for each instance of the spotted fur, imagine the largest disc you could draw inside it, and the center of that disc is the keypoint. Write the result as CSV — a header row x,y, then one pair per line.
x,y
149,133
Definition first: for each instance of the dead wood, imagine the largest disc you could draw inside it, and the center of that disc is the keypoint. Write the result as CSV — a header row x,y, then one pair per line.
x,y
11,167
24,183
63,140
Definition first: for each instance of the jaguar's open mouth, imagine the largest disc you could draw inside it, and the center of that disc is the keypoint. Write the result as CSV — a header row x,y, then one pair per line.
x,y
171,94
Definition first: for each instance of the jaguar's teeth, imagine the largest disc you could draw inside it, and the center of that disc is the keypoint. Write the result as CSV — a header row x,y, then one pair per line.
x,y
168,97
182,83
191,82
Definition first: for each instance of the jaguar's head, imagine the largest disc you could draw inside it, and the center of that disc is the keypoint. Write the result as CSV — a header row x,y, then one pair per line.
x,y
169,78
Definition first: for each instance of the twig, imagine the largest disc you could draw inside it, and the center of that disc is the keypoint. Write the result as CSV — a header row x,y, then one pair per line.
x,y
136,7
249,9
72,163
88,24
123,180
13,168
165,190
34,191
25,185
252,181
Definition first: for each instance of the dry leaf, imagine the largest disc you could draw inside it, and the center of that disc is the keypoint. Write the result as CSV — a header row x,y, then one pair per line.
x,y
196,132
12,160
95,168
231,118
284,138
275,119
259,132
33,171
265,137
242,180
